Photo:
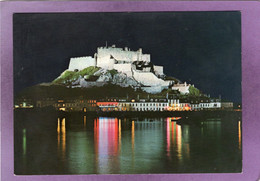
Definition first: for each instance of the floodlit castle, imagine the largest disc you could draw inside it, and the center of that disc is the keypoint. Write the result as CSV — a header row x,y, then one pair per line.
x,y
134,64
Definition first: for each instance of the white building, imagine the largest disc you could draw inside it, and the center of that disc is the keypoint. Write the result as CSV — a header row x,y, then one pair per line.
x,y
183,88
207,105
143,106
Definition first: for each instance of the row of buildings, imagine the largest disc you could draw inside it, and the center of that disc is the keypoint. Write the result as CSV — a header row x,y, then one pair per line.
x,y
115,104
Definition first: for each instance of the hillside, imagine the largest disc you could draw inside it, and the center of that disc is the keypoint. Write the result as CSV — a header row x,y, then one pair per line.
x,y
97,83
94,77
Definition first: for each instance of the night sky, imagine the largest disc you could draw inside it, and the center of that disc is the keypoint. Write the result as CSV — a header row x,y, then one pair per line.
x,y
202,48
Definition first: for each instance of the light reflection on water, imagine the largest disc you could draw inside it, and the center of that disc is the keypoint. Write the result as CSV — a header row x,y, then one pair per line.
x,y
61,137
123,146
85,122
239,135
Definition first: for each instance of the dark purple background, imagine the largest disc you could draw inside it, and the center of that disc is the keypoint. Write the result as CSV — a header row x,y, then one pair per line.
x,y
250,12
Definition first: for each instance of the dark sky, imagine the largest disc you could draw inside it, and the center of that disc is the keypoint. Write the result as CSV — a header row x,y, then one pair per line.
x,y
202,48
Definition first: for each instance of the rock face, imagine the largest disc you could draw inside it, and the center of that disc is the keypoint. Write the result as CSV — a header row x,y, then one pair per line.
x,y
96,77
102,76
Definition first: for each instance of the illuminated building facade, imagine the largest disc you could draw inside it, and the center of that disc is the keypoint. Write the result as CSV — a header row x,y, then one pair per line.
x,y
205,106
115,104
75,105
23,103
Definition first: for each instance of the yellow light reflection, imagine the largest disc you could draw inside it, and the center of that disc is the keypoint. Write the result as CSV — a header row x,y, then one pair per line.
x,y
133,135
168,132
58,126
63,137
119,134
179,142
58,134
133,143
85,121
239,135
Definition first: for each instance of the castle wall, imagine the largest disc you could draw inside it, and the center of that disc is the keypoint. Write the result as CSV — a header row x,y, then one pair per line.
x,y
105,62
125,68
158,69
122,55
81,62
149,79
145,57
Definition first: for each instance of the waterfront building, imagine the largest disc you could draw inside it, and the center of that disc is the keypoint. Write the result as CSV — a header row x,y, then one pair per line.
x,y
108,105
45,102
145,105
227,105
75,105
205,106
116,104
23,103
176,105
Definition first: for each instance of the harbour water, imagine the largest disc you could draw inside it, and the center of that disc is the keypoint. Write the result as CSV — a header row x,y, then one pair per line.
x,y
49,144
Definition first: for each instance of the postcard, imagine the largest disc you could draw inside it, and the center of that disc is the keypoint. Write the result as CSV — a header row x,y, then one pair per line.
x,y
121,90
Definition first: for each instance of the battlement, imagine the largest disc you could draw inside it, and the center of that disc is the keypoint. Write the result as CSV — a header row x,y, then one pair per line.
x,y
121,55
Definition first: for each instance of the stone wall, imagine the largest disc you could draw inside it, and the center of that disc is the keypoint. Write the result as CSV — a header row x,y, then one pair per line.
x,y
148,79
124,68
80,63
145,57
158,69
105,62
122,55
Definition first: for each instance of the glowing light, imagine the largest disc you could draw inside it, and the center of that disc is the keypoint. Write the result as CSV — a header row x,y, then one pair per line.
x,y
107,103
85,121
107,139
133,136
62,109
63,137
119,134
179,141
168,135
58,135
239,135
175,118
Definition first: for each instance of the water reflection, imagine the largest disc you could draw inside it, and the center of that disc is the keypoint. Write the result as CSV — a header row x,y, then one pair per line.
x,y
179,142
24,142
119,133
106,139
239,135
61,137
174,138
135,145
133,136
85,122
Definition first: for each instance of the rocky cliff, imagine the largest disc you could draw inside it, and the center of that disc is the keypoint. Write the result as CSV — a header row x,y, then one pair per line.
x,y
95,76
